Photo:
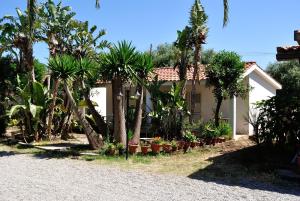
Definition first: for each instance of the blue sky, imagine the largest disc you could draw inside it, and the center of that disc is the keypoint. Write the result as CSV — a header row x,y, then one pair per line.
x,y
254,31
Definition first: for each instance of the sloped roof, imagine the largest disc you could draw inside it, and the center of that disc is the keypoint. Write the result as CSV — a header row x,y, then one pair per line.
x,y
171,74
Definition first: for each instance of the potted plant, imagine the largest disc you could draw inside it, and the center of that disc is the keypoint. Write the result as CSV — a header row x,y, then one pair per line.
x,y
121,148
180,144
174,145
145,147
209,133
188,138
156,145
132,148
111,149
167,147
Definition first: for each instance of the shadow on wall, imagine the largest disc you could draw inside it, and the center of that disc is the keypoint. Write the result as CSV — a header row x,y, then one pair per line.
x,y
253,168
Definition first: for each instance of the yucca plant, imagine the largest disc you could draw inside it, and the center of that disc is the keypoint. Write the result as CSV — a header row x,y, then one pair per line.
x,y
65,68
118,66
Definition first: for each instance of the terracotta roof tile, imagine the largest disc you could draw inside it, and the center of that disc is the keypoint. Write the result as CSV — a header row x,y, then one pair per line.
x,y
171,74
288,49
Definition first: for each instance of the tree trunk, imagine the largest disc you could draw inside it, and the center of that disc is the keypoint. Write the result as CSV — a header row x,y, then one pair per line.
x,y
100,122
65,122
138,116
52,107
195,76
94,139
217,116
119,114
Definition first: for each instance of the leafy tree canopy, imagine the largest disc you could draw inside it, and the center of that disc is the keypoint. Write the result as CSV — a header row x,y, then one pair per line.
x,y
168,55
287,73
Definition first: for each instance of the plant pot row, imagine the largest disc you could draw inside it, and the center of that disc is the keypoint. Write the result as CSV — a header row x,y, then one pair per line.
x,y
168,148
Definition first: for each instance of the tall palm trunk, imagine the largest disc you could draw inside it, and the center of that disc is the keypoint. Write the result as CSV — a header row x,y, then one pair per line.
x,y
138,116
119,114
95,140
195,76
52,107
28,48
99,120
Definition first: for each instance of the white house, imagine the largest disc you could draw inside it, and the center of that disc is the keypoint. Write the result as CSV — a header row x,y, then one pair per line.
x,y
236,110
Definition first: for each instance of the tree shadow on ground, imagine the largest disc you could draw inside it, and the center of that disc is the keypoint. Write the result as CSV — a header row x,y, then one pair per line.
x,y
6,153
73,151
252,167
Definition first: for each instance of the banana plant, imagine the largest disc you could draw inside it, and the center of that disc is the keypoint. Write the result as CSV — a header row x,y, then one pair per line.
x,y
30,109
166,116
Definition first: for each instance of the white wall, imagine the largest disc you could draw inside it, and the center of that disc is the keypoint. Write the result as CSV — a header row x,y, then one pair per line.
x,y
261,90
98,95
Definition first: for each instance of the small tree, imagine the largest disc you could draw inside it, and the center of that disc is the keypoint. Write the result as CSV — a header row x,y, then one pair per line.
x,y
225,75
118,66
65,68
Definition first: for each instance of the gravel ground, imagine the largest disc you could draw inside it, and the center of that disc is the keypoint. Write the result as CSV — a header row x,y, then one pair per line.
x,y
23,177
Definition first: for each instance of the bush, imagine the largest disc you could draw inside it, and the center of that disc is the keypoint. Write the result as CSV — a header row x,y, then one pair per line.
x,y
279,119
189,137
211,131
224,129
3,120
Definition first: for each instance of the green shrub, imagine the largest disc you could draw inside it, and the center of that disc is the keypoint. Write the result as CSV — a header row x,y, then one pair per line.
x,y
224,129
209,130
196,127
188,136
279,119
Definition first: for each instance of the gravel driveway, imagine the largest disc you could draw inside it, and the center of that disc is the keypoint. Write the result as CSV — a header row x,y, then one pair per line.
x,y
23,177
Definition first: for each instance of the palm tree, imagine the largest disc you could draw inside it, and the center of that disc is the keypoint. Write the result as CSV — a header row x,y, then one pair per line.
x,y
118,66
87,71
198,20
184,44
65,67
84,44
20,33
143,68
55,27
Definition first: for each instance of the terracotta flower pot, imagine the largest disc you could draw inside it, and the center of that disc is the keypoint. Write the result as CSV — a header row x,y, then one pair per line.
x,y
193,144
167,148
197,144
145,149
180,144
174,149
155,148
133,148
111,152
214,141
208,141
186,146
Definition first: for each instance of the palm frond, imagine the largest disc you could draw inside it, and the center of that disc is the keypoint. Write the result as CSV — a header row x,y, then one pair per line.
x,y
63,67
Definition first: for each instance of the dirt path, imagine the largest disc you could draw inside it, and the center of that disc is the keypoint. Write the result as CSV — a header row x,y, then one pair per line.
x,y
23,177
